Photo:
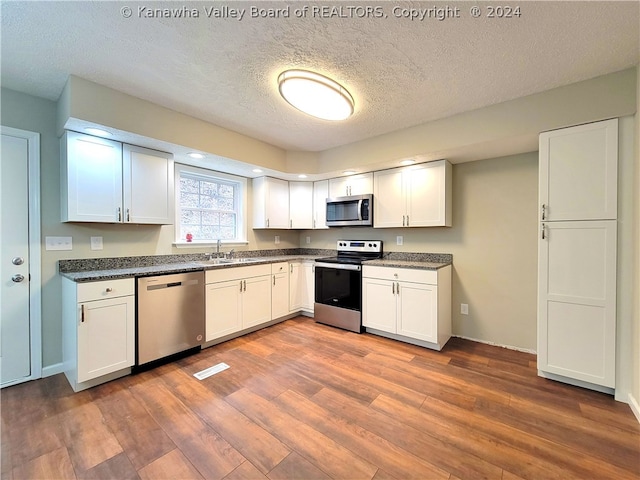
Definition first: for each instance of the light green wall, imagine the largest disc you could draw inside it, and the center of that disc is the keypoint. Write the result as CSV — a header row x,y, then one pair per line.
x,y
494,245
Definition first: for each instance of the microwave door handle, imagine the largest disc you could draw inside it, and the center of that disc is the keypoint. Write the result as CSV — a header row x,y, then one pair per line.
x,y
360,202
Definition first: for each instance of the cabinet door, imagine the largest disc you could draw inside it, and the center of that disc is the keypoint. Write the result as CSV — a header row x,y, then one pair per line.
x,y
379,309
300,205
106,337
270,203
148,186
418,311
320,195
296,287
579,172
280,294
338,187
361,184
256,301
428,195
223,309
91,179
577,300
308,287
389,205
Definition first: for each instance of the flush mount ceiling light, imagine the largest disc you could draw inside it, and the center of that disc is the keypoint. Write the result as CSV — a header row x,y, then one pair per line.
x,y
196,155
315,94
407,162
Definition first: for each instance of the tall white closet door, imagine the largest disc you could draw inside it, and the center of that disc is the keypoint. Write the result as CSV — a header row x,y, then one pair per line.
x,y
577,300
579,172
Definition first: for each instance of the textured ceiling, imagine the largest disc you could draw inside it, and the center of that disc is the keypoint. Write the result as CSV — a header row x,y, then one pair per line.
x,y
400,72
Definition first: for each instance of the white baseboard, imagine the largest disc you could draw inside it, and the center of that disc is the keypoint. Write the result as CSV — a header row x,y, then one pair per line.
x,y
52,370
509,347
635,407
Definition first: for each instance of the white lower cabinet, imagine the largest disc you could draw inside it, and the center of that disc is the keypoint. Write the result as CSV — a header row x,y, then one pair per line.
x,y
301,286
279,290
237,299
98,331
412,305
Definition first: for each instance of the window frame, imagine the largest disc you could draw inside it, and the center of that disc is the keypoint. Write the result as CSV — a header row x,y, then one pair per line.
x,y
213,175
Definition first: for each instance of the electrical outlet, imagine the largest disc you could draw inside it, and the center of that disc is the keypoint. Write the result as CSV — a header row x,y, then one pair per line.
x,y
58,243
308,240
464,309
277,239
96,243
399,240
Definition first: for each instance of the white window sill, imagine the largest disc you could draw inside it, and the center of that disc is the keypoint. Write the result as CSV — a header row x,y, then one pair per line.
x,y
209,244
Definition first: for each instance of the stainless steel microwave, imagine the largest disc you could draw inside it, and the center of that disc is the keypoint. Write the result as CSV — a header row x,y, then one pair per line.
x,y
351,211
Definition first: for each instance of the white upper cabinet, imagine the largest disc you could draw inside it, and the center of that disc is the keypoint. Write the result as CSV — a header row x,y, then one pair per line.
x,y
104,181
301,205
579,172
416,196
91,179
148,186
320,195
352,185
270,203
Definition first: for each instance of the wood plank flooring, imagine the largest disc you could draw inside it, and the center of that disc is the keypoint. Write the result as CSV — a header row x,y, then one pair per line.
x,y
306,401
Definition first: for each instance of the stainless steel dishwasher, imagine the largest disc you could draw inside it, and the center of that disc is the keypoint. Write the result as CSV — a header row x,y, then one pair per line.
x,y
170,315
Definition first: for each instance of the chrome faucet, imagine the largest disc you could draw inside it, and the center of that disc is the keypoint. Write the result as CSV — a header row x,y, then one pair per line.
x,y
218,247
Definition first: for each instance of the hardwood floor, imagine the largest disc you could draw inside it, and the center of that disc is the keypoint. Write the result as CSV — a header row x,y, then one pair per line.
x,y
306,401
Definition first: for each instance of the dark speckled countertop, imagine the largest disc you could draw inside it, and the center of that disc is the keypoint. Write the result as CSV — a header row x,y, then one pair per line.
x,y
96,269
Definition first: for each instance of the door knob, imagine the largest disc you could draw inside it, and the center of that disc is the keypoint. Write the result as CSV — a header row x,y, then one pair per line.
x,y
17,260
17,278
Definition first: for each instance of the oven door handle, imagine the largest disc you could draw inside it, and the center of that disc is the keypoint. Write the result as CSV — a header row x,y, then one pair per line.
x,y
339,266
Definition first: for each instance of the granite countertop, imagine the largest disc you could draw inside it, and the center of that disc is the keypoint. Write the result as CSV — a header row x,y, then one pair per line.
x,y
96,269
91,270
417,264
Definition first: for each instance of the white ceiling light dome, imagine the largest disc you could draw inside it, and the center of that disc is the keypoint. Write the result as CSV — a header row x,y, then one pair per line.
x,y
316,95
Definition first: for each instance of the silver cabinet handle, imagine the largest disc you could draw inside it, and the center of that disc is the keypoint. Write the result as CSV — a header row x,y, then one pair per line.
x,y
290,223
407,220
544,211
119,214
240,285
128,216
393,288
274,280
108,290
543,232
17,278
314,223
291,268
398,288
245,285
81,313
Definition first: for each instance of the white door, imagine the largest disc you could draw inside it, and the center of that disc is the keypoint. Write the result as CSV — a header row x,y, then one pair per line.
x,y
320,195
300,205
579,172
389,199
577,300
20,350
418,311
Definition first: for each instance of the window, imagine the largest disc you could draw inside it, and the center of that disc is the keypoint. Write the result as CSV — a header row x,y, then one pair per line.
x,y
210,206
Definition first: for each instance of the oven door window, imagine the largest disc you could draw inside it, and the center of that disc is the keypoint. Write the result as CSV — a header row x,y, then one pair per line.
x,y
339,288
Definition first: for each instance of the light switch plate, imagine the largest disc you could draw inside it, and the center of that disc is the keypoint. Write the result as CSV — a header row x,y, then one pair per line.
x,y
58,243
96,243
308,240
399,240
277,240
464,308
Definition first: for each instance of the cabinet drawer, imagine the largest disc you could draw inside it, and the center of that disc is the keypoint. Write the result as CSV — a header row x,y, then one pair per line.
x,y
236,273
90,291
280,267
401,274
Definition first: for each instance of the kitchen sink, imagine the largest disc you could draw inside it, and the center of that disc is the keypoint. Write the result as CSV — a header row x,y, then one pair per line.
x,y
228,261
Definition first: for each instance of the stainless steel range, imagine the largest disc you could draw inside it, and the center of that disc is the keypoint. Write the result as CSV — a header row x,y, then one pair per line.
x,y
338,286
